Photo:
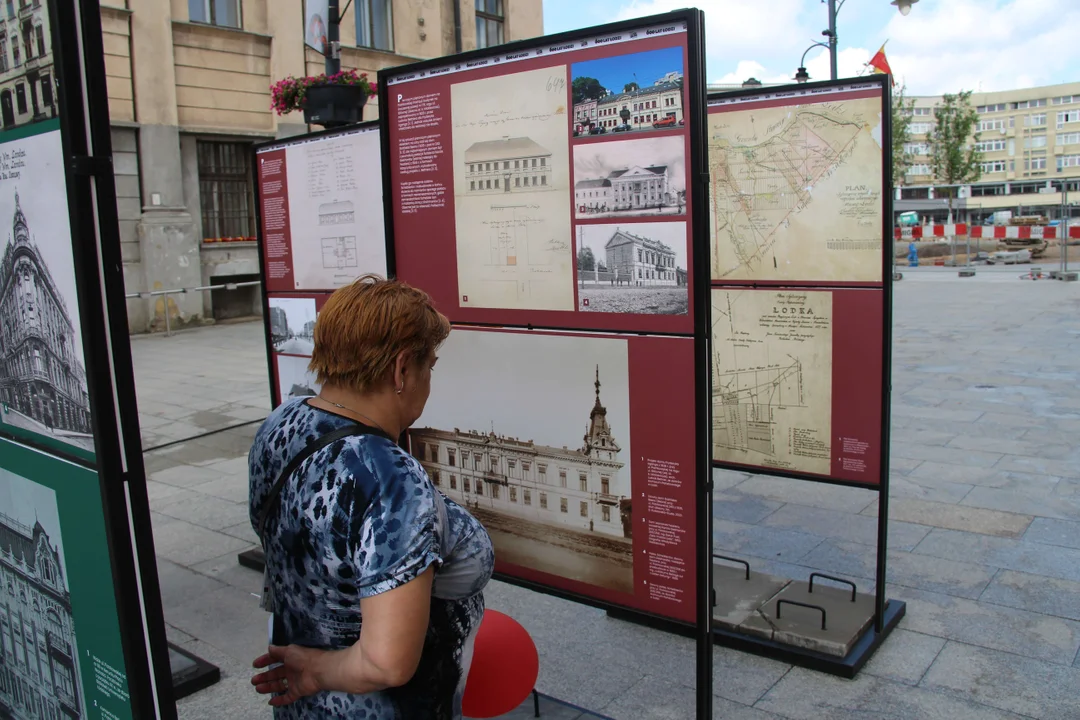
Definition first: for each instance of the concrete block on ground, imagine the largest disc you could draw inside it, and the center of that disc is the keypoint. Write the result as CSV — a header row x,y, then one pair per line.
x,y
738,598
801,626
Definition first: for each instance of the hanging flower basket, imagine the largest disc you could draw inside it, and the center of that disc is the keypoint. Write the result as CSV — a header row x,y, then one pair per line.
x,y
330,101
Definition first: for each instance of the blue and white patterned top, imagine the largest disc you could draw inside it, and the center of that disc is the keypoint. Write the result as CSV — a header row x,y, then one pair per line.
x,y
358,518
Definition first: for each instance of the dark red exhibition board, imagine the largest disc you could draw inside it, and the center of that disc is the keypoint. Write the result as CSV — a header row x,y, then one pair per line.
x,y
799,196
547,220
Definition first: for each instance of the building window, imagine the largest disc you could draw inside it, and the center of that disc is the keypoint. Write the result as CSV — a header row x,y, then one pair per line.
x,y
435,477
40,33
562,478
489,23
479,487
11,8
420,452
511,464
528,497
993,167
564,505
225,13
494,492
543,501
1035,120
434,450
375,24
584,508
3,55
1035,141
20,98
1068,161
513,494
605,513
605,485
453,482
542,469
584,482
465,484
225,189
525,466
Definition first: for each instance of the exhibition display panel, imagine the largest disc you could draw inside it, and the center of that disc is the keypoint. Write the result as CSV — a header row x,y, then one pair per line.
x,y
81,621
800,255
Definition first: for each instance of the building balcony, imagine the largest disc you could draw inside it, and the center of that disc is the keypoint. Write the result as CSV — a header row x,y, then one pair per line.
x,y
60,649
607,499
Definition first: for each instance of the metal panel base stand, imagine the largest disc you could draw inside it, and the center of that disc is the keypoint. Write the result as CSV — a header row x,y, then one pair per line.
x,y
190,674
253,559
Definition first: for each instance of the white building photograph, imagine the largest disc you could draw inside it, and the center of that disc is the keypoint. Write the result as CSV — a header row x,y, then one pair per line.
x,y
39,674
532,434
292,325
506,166
27,76
634,268
629,178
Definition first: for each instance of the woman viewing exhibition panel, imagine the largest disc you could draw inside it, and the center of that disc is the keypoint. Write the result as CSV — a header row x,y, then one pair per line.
x,y
373,577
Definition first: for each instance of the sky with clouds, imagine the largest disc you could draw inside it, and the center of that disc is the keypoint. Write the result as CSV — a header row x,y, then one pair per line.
x,y
941,46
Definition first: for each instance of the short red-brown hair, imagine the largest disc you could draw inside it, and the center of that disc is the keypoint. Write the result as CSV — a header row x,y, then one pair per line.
x,y
364,326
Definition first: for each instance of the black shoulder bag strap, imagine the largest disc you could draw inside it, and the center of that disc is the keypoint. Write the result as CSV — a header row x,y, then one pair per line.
x,y
308,451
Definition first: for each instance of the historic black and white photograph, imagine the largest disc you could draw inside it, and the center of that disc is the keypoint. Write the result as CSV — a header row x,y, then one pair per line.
x,y
629,178
637,268
292,325
294,379
41,678
43,385
628,93
27,77
548,473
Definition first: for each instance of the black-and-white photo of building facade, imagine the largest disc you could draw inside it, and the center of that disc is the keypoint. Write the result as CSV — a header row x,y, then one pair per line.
x,y
640,260
39,676
509,165
42,378
585,489
634,188
27,80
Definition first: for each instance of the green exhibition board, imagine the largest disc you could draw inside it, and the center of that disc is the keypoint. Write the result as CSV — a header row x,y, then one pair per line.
x,y
60,635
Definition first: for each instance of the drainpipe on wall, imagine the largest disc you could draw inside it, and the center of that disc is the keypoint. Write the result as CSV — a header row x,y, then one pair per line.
x,y
457,25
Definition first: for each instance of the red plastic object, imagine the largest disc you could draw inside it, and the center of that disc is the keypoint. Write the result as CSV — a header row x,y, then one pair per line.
x,y
504,669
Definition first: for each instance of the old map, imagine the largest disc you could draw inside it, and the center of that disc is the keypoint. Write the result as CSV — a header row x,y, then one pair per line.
x,y
772,378
796,191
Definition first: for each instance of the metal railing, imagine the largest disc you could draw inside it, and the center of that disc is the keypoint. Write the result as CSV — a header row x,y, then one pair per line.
x,y
184,291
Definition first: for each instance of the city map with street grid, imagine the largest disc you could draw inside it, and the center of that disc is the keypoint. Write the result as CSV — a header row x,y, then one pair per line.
x,y
796,191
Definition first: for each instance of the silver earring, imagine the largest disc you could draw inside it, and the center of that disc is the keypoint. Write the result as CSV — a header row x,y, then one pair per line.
x,y
401,388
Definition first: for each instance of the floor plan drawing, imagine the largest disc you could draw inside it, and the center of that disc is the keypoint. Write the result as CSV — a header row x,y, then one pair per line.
x,y
339,253
512,191
772,378
796,191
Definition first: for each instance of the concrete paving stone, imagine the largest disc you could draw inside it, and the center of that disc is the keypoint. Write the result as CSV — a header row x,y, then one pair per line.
x,y
957,517
231,697
243,531
904,657
903,465
1044,466
742,539
978,429
1067,487
991,626
237,441
187,544
786,490
845,526
234,466
179,585
160,460
158,492
1038,593
226,570
949,473
911,436
968,458
230,488
1021,420
957,416
193,456
652,698
808,695
911,486
733,505
569,673
229,619
724,479
1049,531
207,511
1006,553
919,571
176,635
1016,684
1045,506
1006,445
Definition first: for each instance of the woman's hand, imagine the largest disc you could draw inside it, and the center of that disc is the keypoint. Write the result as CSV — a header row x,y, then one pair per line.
x,y
294,677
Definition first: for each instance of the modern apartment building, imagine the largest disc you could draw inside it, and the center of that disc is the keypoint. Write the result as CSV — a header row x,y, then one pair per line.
x,y
1030,140
189,92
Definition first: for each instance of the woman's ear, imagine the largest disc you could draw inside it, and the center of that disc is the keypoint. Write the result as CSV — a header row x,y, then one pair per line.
x,y
401,364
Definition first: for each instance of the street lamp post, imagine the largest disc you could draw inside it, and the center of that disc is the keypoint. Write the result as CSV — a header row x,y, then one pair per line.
x,y
904,6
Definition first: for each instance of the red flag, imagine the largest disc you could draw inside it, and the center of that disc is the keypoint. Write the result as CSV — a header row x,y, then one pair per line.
x,y
880,64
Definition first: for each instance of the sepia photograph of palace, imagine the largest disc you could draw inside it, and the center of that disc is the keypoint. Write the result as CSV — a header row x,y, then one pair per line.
x,y
631,188
508,165
39,675
42,378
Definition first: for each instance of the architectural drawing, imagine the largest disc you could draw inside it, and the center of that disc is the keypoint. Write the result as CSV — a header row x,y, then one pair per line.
x,y
638,268
630,178
553,499
39,675
772,378
335,210
511,191
796,192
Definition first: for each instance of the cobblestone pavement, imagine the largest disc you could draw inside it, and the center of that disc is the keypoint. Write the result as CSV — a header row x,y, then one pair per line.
x,y
985,528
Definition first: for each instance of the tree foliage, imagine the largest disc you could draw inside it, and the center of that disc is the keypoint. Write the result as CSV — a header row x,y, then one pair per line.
x,y
631,86
902,111
586,88
585,259
954,158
